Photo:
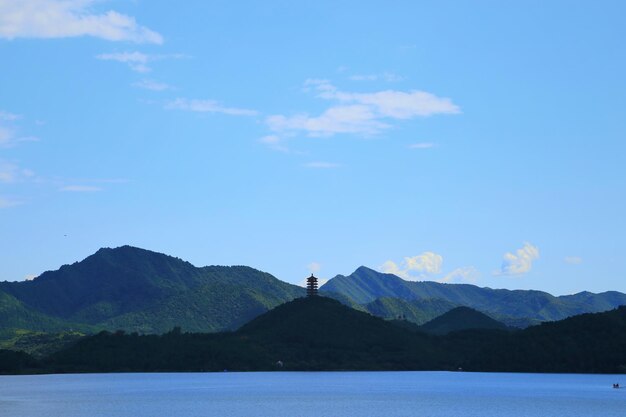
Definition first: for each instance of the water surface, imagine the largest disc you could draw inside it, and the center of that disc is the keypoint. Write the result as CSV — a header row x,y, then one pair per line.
x,y
319,394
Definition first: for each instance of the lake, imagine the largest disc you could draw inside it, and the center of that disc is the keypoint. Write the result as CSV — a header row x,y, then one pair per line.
x,y
319,394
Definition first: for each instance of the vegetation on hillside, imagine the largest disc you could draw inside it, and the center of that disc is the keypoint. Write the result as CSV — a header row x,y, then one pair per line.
x,y
322,334
518,308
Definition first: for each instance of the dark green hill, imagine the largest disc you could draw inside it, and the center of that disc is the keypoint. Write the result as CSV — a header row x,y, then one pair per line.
x,y
587,343
316,333
15,316
320,321
322,334
415,311
139,290
366,285
461,318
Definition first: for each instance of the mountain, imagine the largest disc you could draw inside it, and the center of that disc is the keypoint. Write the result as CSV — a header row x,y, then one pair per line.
x,y
415,311
15,315
366,285
586,343
318,333
315,333
461,318
139,290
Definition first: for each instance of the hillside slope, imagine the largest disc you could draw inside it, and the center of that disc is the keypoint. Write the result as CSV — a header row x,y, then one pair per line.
x,y
366,285
461,318
139,290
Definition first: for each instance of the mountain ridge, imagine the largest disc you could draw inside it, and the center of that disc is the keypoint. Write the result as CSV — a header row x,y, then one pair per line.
x,y
138,290
365,285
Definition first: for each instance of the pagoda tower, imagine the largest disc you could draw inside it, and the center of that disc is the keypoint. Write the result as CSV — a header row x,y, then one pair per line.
x,y
311,286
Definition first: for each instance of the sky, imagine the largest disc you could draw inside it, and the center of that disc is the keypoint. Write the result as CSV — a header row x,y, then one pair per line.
x,y
476,142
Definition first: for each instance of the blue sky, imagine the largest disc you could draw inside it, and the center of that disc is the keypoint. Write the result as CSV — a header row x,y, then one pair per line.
x,y
457,141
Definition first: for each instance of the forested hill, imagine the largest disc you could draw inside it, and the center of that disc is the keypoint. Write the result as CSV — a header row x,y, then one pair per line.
x,y
321,334
139,290
365,285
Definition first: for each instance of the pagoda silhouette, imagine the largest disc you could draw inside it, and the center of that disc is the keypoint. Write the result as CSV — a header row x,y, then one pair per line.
x,y
311,286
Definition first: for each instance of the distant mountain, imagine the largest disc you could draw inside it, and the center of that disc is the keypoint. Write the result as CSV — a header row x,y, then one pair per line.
x,y
520,306
461,318
139,290
415,311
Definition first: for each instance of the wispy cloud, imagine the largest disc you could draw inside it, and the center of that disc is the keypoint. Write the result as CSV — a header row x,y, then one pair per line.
x,y
8,202
69,18
137,61
422,145
342,119
322,165
520,262
464,275
6,116
573,260
9,135
152,85
11,173
80,188
360,113
274,142
207,106
314,267
385,76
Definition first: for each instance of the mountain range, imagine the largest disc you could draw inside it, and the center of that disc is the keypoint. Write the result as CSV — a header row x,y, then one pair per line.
x,y
517,308
137,290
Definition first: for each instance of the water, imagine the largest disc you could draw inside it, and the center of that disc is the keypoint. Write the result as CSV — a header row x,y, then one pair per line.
x,y
319,394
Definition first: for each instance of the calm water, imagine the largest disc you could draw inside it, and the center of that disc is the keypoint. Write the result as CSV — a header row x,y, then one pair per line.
x,y
324,394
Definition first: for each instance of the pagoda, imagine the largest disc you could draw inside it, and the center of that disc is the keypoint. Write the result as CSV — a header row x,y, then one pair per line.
x,y
311,286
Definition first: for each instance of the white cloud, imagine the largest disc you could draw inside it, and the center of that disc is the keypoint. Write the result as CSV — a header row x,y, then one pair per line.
x,y
360,113
152,85
9,132
10,173
314,267
520,262
385,76
80,188
7,202
428,262
274,142
321,165
6,136
69,18
6,116
467,274
30,277
137,61
422,145
207,106
339,119
415,267
573,260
